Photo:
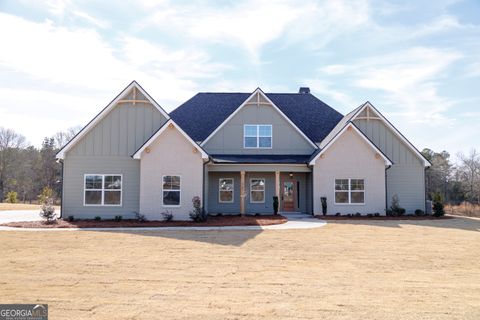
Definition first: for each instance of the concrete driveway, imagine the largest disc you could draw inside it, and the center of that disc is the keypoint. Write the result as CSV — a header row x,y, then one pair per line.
x,y
20,215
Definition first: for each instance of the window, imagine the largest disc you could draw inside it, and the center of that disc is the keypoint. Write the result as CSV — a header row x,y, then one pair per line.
x,y
257,190
103,190
257,136
171,190
349,191
225,190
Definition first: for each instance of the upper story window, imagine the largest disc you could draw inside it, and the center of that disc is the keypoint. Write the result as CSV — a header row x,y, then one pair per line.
x,y
257,136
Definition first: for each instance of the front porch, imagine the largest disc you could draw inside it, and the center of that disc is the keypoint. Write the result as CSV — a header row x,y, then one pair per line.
x,y
250,188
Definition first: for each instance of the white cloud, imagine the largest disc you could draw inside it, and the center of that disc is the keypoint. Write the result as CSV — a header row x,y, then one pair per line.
x,y
254,23
408,80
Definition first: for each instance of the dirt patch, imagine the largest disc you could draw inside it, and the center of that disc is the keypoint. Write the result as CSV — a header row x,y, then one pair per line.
x,y
217,221
369,270
383,218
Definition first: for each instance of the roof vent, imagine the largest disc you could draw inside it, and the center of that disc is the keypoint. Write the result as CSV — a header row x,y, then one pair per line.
x,y
304,90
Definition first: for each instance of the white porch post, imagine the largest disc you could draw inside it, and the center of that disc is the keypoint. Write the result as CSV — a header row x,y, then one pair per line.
x,y
277,183
242,193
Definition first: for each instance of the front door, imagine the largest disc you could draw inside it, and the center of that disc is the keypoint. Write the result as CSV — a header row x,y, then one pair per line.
x,y
289,195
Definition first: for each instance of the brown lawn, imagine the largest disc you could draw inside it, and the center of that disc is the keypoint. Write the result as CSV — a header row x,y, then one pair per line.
x,y
359,269
21,206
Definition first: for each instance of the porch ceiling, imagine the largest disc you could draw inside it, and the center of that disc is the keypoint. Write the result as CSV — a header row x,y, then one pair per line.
x,y
260,159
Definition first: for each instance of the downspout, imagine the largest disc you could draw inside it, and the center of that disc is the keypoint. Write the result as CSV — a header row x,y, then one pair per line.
x,y
386,188
203,183
312,193
61,189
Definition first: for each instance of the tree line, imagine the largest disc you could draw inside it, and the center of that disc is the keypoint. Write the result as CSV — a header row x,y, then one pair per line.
x,y
26,170
455,182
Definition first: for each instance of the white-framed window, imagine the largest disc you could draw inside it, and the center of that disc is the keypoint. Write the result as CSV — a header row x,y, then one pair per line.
x,y
257,190
257,136
102,190
225,190
171,191
349,191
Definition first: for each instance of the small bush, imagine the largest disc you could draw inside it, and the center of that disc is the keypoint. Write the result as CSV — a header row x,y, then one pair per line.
x,y
376,214
438,209
369,215
337,214
167,216
97,218
12,197
140,217
48,212
419,213
71,218
324,205
118,218
197,214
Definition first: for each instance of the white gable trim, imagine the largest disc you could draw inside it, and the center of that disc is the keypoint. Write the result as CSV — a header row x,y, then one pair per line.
x,y
168,124
104,112
259,91
360,133
426,163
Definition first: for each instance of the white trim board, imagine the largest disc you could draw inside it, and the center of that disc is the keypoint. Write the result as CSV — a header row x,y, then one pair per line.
x,y
426,163
168,124
360,133
104,112
247,101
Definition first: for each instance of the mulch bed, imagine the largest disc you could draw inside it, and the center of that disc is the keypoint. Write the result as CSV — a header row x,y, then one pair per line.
x,y
407,217
213,221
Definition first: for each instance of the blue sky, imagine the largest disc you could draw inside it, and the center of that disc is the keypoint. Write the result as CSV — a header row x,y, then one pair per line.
x,y
417,61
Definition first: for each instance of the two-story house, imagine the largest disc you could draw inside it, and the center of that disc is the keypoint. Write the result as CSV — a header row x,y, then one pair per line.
x,y
236,151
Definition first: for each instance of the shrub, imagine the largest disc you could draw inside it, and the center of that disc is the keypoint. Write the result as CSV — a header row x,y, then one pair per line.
x,y
395,208
12,197
438,210
140,217
48,212
71,218
275,205
118,218
369,215
167,216
337,214
97,218
358,214
324,205
419,212
376,214
197,214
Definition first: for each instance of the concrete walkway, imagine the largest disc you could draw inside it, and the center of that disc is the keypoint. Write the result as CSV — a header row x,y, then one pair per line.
x,y
295,221
20,215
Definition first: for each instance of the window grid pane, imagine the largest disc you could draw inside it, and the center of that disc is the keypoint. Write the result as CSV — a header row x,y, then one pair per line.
x,y
103,190
171,190
225,187
257,136
350,191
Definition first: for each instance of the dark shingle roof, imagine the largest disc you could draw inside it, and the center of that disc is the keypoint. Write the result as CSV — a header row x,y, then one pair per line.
x,y
204,112
261,158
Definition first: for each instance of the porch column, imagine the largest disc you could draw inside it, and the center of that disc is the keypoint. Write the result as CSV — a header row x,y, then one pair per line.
x,y
277,183
242,193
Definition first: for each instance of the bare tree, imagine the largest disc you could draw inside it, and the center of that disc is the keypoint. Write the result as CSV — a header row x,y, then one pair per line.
x,y
62,137
470,174
10,144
